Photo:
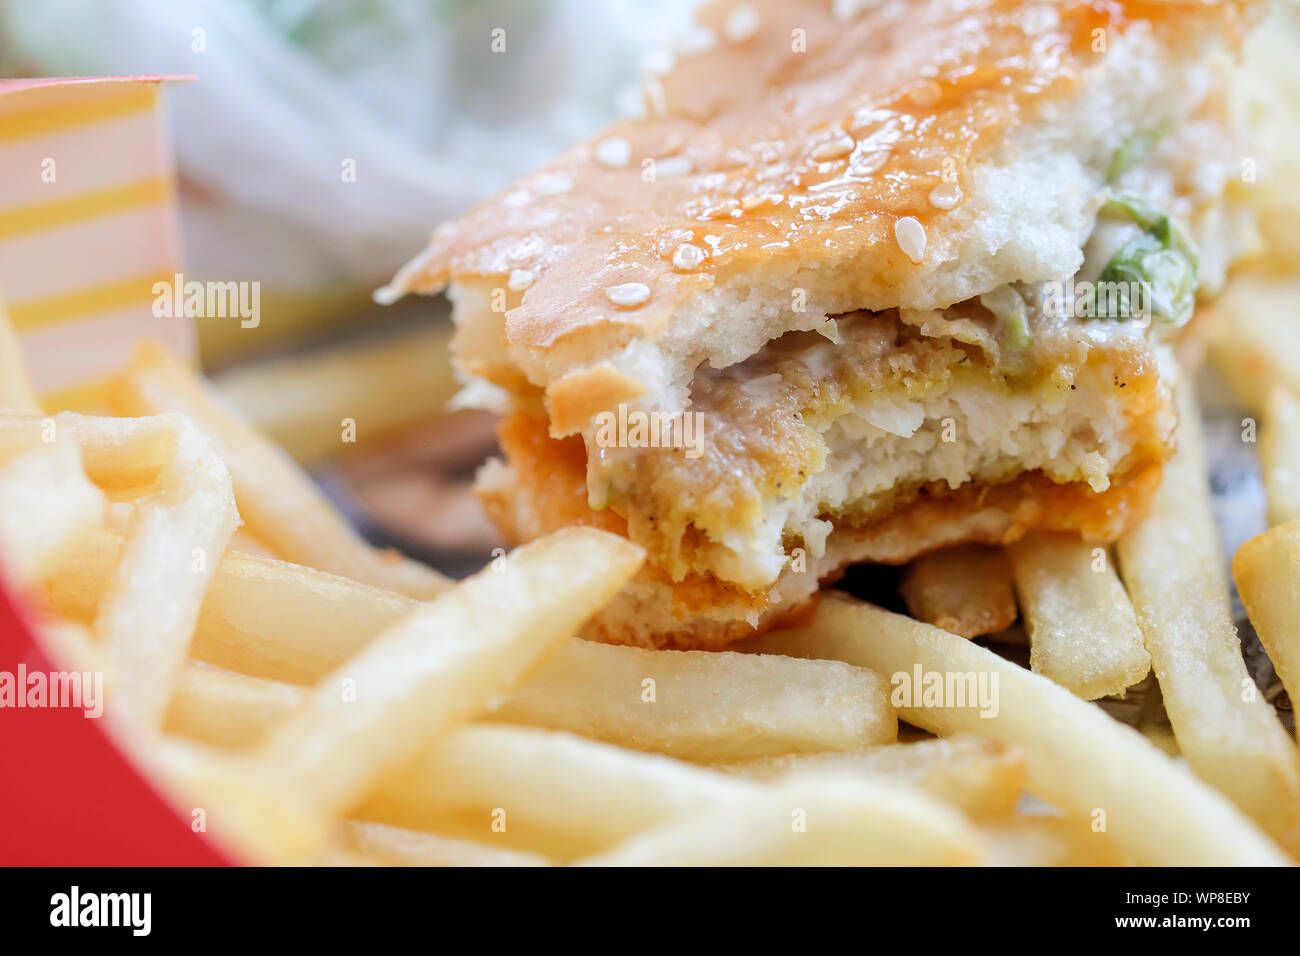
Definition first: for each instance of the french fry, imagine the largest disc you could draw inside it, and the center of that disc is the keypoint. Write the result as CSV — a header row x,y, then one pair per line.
x,y
224,709
711,708
965,590
1083,633
548,792
260,616
1258,343
704,706
1270,82
389,383
1172,566
1079,759
1048,841
236,803
393,846
333,853
410,727
266,618
1267,571
982,777
1279,454
562,794
244,542
47,506
443,664
280,504
231,801
176,536
814,821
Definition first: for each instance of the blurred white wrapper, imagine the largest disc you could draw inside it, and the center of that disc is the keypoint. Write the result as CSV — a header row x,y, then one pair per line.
x,y
324,140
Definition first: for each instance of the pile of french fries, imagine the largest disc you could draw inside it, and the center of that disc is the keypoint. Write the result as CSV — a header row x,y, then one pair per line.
x,y
312,700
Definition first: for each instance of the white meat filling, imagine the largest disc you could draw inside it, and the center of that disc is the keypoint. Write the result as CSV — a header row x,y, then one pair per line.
x,y
970,433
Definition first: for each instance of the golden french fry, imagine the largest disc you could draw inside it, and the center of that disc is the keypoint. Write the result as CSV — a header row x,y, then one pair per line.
x,y
245,542
393,846
707,706
555,794
1172,566
239,807
382,385
232,801
177,534
1279,454
47,506
271,619
221,708
1269,84
443,664
965,590
562,794
1267,571
979,776
812,821
702,705
333,853
711,708
1049,841
279,502
1079,759
260,616
1083,633
1258,343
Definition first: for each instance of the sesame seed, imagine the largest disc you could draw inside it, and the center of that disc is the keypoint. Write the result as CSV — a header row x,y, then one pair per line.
x,y
926,95
655,61
673,166
849,9
837,148
655,100
742,23
910,236
725,208
520,279
628,294
1039,20
552,184
695,41
865,163
688,258
613,152
757,200
945,195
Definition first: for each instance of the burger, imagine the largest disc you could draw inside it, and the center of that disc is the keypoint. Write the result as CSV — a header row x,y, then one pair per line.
x,y
867,279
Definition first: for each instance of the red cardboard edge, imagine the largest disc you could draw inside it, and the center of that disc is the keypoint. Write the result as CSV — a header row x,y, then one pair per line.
x,y
69,795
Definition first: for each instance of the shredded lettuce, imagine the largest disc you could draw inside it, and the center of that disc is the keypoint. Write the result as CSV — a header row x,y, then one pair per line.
x,y
1163,260
1006,304
1131,152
